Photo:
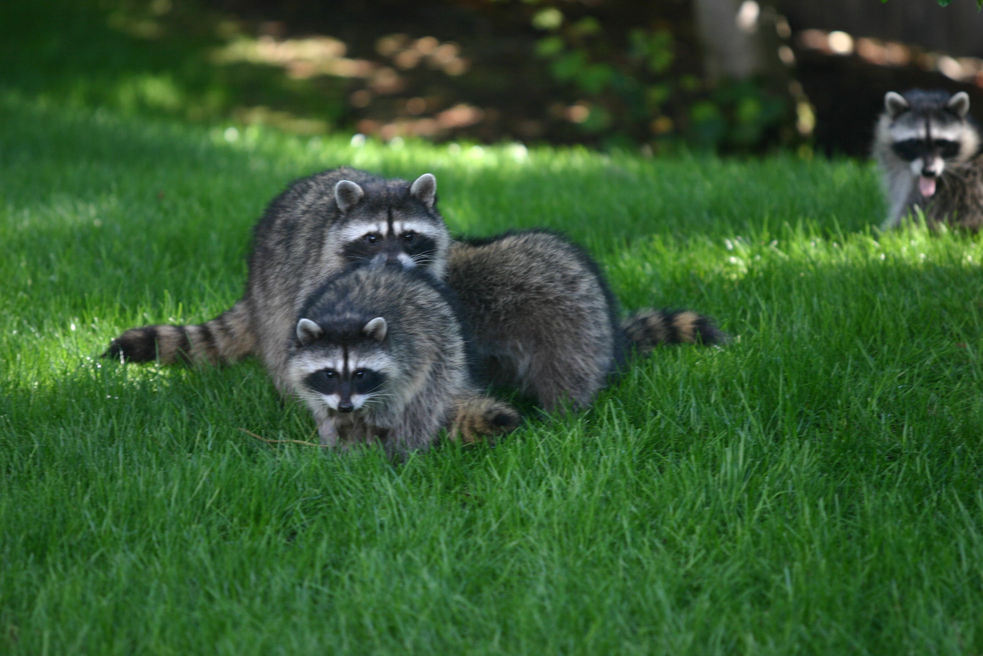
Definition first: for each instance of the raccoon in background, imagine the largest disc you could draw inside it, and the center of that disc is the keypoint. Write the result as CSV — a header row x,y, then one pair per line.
x,y
928,150
380,355
545,320
316,228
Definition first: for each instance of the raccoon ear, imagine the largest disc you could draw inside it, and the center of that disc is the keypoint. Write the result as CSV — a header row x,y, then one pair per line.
x,y
376,329
347,194
424,189
959,104
308,331
894,103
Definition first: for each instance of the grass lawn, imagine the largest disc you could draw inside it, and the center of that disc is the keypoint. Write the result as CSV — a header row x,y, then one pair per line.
x,y
812,488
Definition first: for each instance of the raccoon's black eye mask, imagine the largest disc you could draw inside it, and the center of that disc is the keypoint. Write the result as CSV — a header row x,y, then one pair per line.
x,y
361,381
911,149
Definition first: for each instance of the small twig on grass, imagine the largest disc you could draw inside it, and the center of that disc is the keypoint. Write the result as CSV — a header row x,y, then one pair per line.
x,y
269,441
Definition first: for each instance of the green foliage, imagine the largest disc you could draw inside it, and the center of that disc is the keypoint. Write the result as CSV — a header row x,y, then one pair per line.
x,y
636,84
151,58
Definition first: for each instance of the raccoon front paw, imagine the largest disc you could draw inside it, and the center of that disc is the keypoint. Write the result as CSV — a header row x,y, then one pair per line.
x,y
483,417
135,345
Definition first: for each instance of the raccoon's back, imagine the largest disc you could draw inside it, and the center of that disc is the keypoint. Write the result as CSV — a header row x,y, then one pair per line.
x,y
537,271
542,315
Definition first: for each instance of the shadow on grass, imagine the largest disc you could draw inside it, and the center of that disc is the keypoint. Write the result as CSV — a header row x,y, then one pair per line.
x,y
128,59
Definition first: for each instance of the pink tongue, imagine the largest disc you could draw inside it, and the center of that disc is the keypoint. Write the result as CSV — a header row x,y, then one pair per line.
x,y
926,186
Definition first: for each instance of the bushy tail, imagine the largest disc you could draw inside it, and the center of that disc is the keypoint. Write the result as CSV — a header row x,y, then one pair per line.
x,y
478,416
650,328
225,339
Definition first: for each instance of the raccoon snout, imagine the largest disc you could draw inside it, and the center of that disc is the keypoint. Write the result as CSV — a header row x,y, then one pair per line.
x,y
346,406
932,167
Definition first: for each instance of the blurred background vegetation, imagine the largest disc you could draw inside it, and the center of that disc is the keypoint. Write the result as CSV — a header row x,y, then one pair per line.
x,y
731,76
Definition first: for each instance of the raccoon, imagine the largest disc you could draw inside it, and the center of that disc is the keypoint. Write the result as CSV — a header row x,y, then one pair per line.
x,y
545,320
381,355
928,150
317,227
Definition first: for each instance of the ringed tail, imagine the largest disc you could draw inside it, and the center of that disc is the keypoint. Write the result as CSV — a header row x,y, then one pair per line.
x,y
225,339
477,417
648,329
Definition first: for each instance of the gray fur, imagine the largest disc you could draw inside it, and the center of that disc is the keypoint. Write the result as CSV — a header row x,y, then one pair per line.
x,y
347,194
376,328
424,188
410,327
298,244
543,318
946,189
545,321
894,103
959,104
308,331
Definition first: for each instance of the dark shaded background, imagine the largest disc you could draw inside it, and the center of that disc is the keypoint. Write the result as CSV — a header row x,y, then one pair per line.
x,y
611,73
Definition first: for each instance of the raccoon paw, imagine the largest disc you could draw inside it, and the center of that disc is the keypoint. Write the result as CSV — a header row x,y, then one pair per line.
x,y
135,345
482,417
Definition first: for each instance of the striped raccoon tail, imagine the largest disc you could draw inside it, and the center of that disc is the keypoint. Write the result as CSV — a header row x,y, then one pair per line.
x,y
225,339
648,329
478,416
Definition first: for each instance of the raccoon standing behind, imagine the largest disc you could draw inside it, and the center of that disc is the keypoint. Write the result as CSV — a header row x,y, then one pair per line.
x,y
545,320
381,355
928,150
316,228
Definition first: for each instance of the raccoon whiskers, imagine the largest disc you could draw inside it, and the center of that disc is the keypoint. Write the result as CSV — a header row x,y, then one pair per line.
x,y
422,260
961,173
377,400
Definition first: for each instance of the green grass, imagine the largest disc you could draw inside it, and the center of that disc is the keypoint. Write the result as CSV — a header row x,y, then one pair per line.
x,y
812,488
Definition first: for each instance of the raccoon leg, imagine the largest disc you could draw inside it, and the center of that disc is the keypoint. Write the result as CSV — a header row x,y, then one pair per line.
x,y
225,339
476,416
649,328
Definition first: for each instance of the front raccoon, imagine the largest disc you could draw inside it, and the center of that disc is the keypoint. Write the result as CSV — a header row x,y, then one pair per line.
x,y
545,321
316,228
928,150
380,354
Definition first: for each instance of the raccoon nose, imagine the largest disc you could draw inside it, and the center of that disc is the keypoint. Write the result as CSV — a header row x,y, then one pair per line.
x,y
345,406
932,167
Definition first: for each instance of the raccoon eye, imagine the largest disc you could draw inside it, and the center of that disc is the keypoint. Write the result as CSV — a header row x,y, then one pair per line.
x,y
359,374
372,237
409,236
329,374
948,149
909,149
